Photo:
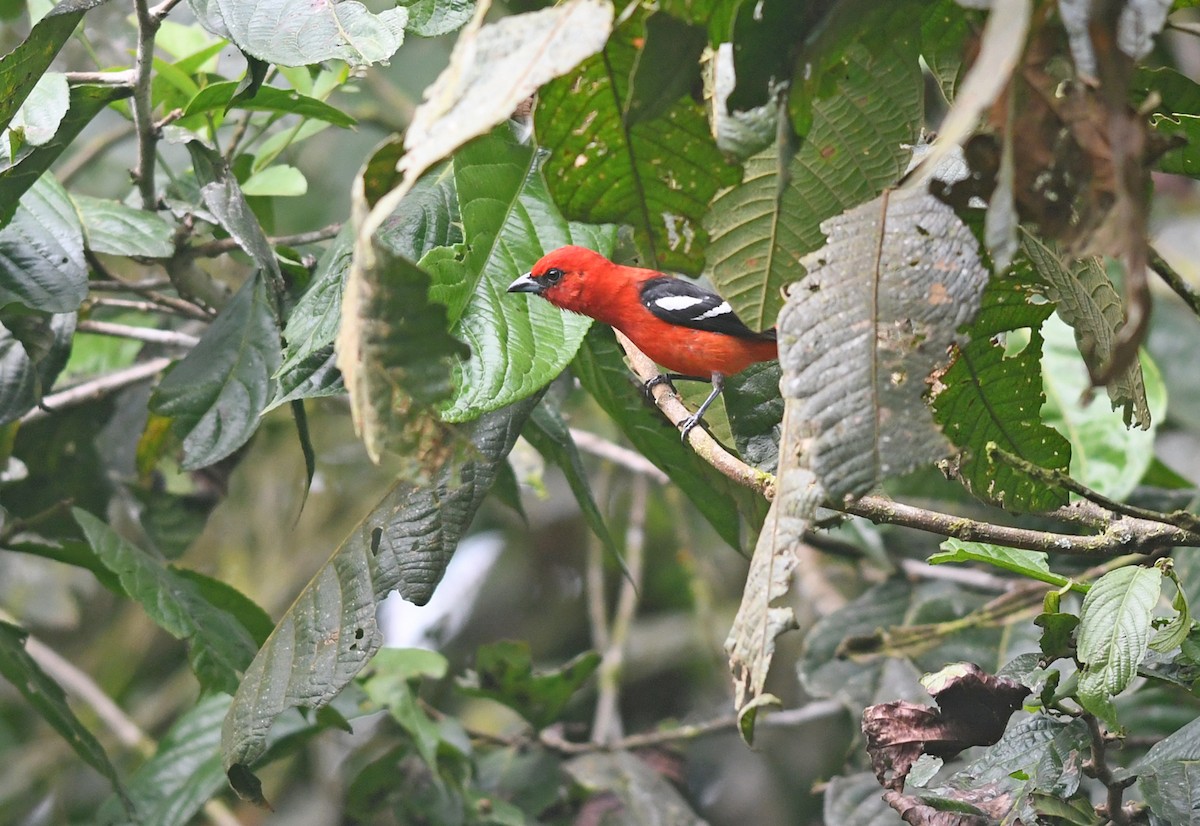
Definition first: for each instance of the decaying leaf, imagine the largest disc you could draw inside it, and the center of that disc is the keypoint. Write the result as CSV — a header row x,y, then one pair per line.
x,y
973,710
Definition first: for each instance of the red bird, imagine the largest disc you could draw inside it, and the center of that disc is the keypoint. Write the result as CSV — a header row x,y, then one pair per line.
x,y
687,329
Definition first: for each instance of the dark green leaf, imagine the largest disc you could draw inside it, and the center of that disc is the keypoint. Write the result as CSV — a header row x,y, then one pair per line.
x,y
755,409
218,96
21,68
47,698
41,252
314,377
988,396
657,175
644,795
219,646
1031,564
1172,792
1177,115
666,68
766,37
548,432
68,552
216,393
1026,743
945,29
112,227
330,632
85,103
33,350
391,682
298,33
172,521
518,343
224,596
602,371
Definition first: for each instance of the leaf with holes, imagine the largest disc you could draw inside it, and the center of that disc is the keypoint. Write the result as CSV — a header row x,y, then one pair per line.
x,y
657,174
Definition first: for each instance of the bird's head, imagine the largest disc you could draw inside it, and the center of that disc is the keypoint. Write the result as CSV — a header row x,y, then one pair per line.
x,y
565,277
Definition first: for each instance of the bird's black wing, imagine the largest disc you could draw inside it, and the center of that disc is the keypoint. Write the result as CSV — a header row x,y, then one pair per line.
x,y
689,305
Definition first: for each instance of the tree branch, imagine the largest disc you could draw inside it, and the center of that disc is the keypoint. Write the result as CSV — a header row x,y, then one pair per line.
x,y
1175,281
96,388
171,338
1118,534
1097,767
624,457
221,246
143,106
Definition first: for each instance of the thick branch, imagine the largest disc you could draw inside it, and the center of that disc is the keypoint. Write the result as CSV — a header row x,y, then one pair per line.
x,y
143,106
96,388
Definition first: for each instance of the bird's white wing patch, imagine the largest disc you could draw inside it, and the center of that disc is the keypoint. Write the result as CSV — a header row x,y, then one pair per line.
x,y
720,309
675,303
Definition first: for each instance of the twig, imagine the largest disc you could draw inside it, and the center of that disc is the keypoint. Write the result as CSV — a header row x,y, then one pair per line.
x,y
1098,768
126,78
221,246
597,604
979,580
1180,519
1175,281
149,290
91,150
96,388
143,105
606,724
1117,536
12,527
107,328
816,710
610,451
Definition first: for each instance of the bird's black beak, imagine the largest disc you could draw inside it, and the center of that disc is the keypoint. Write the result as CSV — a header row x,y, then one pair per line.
x,y
525,284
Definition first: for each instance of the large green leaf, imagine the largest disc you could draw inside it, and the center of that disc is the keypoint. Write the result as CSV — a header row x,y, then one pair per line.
x,y
21,68
518,344
430,18
734,511
223,95
184,773
86,101
216,393
504,672
330,632
33,350
1106,455
858,142
991,396
112,227
299,33
1114,634
657,174
47,698
219,646
41,252
1177,114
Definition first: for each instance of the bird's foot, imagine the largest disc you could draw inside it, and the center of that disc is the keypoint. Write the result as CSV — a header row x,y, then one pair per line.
x,y
687,425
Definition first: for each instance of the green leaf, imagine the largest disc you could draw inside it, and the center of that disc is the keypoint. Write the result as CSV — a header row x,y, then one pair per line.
x,y
40,115
1085,298
330,632
432,18
1025,745
33,350
1106,455
945,28
1114,635
21,68
219,646
299,33
601,370
547,431
111,227
185,772
19,175
518,343
1177,115
658,175
41,252
47,698
1172,791
219,96
279,180
504,672
991,396
390,682
216,393
1174,632
755,409
643,794
313,378
1031,564
666,68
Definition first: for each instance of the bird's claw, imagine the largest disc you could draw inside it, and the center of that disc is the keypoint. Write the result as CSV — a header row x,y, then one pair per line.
x,y
648,386
687,425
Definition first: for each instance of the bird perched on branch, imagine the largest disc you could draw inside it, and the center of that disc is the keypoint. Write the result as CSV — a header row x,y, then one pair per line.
x,y
689,330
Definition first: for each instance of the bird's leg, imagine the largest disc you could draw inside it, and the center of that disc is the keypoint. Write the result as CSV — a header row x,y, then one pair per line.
x,y
718,383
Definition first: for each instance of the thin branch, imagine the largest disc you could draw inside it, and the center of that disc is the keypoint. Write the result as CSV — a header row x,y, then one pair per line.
x,y
606,724
1098,768
90,151
149,290
12,527
1180,519
968,577
143,105
96,388
819,709
1175,281
624,457
171,338
1118,535
597,605
223,245
160,12
130,304
126,78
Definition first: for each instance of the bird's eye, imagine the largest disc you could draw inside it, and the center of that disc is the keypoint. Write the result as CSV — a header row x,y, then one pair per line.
x,y
552,275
